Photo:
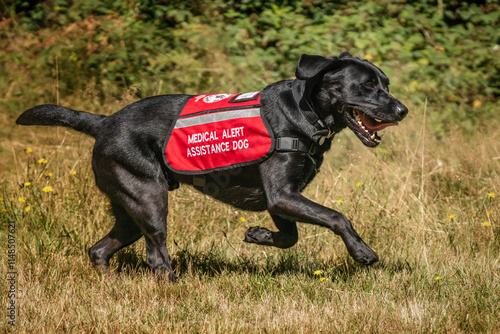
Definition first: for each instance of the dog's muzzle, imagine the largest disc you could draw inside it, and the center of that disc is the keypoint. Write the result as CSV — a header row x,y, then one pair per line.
x,y
366,127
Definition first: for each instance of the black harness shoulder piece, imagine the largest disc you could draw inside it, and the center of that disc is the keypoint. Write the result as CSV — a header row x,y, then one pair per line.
x,y
306,108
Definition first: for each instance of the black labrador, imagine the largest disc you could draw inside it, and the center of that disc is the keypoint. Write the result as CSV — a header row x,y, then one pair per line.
x,y
328,95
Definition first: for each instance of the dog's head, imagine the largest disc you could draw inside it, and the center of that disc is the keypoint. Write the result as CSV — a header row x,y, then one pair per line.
x,y
349,91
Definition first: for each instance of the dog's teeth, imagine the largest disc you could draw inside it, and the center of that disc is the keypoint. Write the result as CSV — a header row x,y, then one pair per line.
x,y
372,137
378,120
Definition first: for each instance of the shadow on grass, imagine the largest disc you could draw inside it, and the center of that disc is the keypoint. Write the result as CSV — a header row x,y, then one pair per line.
x,y
213,262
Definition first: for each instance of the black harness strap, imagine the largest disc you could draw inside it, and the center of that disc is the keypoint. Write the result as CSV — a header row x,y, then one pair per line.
x,y
283,144
305,107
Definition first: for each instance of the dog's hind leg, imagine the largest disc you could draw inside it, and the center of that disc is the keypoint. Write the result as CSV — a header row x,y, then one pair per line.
x,y
285,238
123,233
146,202
143,195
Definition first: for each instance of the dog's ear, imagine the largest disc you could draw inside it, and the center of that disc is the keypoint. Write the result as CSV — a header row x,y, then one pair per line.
x,y
344,55
310,66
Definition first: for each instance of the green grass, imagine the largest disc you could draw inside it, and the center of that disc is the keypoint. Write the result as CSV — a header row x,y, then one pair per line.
x,y
436,274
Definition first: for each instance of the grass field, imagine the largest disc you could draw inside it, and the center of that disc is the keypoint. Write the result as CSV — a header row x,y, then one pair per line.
x,y
427,204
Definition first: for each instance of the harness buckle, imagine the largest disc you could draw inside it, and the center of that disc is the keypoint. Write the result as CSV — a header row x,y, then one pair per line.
x,y
288,144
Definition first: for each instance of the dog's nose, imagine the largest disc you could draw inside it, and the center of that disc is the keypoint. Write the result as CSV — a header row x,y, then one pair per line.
x,y
401,111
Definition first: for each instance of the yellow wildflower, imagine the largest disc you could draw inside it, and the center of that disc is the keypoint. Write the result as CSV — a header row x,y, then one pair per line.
x,y
27,209
47,189
491,195
29,150
317,272
359,184
490,212
423,61
73,172
5,210
22,199
477,103
108,203
452,216
1,199
437,278
323,279
242,219
49,174
27,184
42,161
486,223
339,201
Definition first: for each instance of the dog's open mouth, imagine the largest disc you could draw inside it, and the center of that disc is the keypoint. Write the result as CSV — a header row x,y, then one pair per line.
x,y
366,126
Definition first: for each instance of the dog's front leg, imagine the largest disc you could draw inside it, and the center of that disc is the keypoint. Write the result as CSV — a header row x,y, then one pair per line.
x,y
292,204
282,177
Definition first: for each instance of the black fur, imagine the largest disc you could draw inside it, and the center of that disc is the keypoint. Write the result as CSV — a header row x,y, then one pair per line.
x,y
129,167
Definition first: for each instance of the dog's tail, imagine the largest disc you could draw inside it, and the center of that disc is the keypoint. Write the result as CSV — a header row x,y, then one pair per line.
x,y
49,114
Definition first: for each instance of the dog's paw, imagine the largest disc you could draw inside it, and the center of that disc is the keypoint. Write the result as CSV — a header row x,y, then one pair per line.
x,y
100,263
172,278
258,235
364,255
166,275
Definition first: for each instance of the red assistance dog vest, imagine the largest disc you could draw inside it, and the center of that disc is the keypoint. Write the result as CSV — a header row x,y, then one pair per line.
x,y
216,132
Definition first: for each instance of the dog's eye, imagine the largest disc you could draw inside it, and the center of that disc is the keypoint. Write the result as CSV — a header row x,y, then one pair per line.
x,y
369,85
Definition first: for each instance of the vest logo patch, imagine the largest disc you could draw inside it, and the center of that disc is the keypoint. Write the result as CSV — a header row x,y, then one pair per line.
x,y
218,131
216,97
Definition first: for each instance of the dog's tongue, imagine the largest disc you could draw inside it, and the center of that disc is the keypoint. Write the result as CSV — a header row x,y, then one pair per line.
x,y
372,125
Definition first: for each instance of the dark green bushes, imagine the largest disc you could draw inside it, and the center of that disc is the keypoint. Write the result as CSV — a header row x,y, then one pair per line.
x,y
443,51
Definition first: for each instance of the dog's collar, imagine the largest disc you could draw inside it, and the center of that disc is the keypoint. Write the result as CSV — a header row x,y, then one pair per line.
x,y
305,106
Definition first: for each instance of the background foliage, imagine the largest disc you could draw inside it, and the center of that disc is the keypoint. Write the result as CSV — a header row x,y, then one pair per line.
x,y
445,51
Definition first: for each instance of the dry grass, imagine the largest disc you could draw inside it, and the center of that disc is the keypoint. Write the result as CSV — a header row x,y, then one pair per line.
x,y
421,205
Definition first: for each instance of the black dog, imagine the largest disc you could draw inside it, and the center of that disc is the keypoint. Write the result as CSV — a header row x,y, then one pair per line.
x,y
328,95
